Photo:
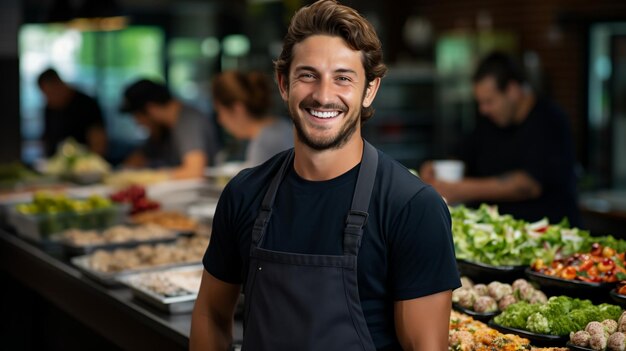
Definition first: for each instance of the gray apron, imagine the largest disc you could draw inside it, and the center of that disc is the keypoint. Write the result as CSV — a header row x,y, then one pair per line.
x,y
308,302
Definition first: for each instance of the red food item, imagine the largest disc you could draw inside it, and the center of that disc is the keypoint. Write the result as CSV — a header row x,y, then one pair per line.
x,y
601,265
136,196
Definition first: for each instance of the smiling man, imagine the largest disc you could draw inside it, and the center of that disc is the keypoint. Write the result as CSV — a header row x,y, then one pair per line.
x,y
336,245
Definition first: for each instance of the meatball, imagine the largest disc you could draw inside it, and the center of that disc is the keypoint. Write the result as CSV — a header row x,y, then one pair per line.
x,y
519,283
610,326
498,290
467,297
579,338
506,301
466,282
617,342
526,292
457,293
598,341
621,322
485,304
538,297
595,328
481,289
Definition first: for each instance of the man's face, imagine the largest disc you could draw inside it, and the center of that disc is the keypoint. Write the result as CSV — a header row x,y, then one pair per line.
x,y
325,92
231,119
54,94
498,106
142,119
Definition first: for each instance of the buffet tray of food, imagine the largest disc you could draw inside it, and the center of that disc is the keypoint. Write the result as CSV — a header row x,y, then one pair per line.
x,y
172,290
81,242
107,266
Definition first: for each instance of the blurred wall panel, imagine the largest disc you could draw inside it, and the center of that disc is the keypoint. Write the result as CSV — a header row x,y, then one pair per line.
x,y
10,17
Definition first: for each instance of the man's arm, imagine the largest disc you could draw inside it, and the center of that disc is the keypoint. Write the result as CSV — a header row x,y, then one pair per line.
x,y
423,323
192,166
97,140
513,186
213,313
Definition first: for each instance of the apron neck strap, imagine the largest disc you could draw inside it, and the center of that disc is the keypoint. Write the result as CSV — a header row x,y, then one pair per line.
x,y
357,217
268,201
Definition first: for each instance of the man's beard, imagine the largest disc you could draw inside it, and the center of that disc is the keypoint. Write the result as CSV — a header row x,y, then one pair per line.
x,y
330,143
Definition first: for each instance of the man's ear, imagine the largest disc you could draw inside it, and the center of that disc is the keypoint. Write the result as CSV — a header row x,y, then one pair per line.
x,y
370,92
283,85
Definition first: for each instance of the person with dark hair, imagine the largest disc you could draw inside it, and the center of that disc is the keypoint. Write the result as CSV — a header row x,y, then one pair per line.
x,y
70,113
180,137
521,156
242,102
337,245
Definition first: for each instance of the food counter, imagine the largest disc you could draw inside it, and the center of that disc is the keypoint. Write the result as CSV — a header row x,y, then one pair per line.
x,y
112,312
36,266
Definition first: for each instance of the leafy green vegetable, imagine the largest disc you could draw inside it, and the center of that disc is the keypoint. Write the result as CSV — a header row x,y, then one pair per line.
x,y
559,316
483,235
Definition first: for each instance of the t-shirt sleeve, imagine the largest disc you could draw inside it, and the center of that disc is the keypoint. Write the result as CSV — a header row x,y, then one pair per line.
x,y
422,260
190,134
222,259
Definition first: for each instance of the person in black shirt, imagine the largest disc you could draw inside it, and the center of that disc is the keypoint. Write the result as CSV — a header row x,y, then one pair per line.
x,y
520,157
336,245
70,113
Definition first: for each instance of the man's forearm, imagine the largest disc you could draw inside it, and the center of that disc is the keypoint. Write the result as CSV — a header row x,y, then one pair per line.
x,y
207,334
515,186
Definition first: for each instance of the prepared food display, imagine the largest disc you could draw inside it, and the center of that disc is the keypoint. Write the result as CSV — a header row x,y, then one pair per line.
x,y
74,162
168,219
183,251
467,334
124,178
485,236
605,335
602,264
170,283
115,234
483,301
173,290
559,316
50,213
135,196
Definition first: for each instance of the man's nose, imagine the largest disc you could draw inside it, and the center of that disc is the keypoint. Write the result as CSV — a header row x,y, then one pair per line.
x,y
324,91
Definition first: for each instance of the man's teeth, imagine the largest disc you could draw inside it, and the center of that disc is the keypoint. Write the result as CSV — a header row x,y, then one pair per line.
x,y
322,114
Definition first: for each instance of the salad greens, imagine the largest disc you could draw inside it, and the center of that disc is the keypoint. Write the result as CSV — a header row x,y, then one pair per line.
x,y
485,236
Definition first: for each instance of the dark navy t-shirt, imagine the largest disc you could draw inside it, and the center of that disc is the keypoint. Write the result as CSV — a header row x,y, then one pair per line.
x,y
542,146
406,252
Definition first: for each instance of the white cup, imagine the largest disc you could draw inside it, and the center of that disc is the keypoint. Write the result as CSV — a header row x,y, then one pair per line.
x,y
449,170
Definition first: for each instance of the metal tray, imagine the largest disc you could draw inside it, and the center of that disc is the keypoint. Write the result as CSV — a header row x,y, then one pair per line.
x,y
173,304
76,250
112,279
40,227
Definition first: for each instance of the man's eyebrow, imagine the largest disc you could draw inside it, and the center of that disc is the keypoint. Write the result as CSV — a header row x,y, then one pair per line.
x,y
345,70
338,70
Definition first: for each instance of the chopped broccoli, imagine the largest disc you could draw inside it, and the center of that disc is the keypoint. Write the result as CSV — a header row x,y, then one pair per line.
x,y
538,323
562,325
516,315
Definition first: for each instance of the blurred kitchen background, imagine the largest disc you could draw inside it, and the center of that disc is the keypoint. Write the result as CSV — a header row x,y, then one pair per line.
x,y
574,52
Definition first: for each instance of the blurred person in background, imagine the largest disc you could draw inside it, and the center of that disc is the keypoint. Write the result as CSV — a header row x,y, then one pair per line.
x,y
70,113
243,102
181,138
521,156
